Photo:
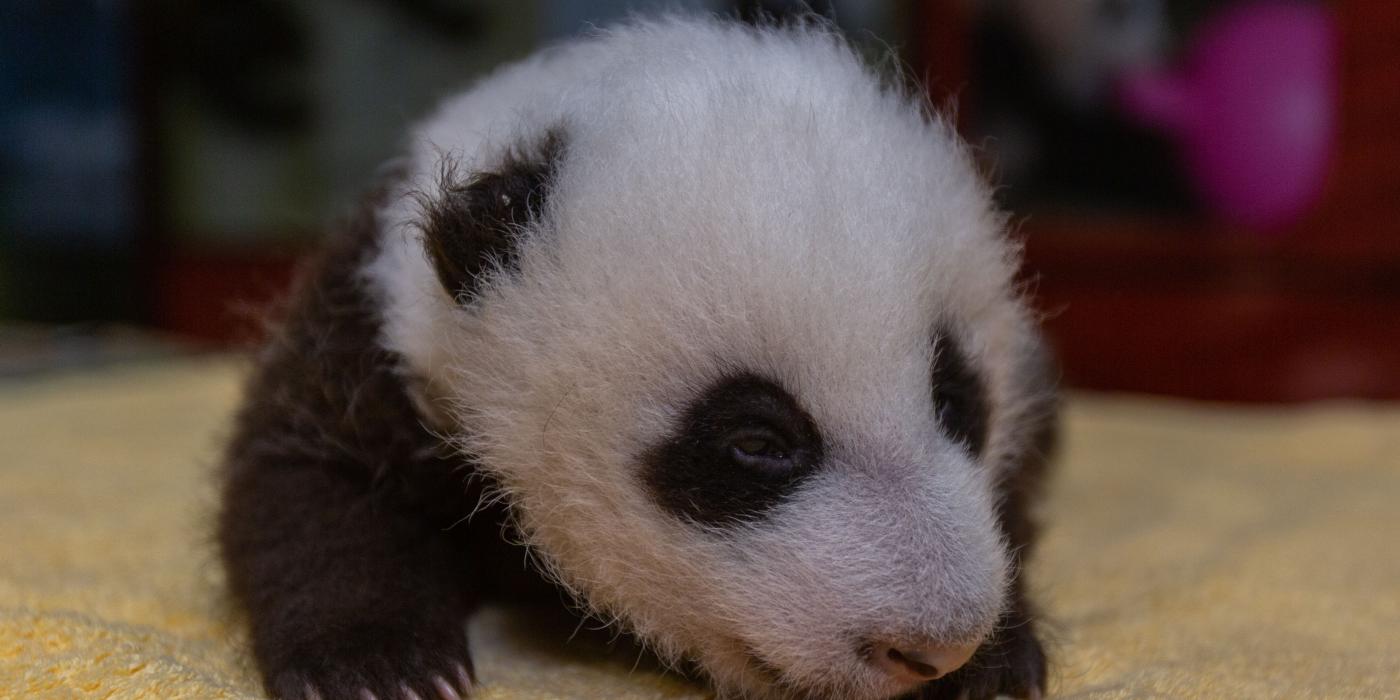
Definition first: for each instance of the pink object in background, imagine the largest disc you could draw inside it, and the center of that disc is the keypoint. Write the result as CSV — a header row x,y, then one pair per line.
x,y
1252,106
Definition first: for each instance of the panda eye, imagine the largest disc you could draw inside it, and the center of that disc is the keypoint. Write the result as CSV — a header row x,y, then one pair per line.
x,y
959,396
741,448
759,449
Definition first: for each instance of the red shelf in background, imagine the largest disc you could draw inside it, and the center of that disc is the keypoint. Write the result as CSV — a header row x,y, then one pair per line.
x,y
1153,307
220,296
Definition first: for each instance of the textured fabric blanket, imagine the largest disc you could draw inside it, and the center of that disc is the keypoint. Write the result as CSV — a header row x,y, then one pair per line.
x,y
1190,552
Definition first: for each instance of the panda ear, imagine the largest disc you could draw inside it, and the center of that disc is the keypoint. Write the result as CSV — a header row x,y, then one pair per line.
x,y
472,222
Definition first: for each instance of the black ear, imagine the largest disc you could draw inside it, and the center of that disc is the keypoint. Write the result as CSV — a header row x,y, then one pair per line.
x,y
473,221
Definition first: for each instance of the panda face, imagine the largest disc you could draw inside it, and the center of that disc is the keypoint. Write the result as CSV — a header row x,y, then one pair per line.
x,y
740,453
739,351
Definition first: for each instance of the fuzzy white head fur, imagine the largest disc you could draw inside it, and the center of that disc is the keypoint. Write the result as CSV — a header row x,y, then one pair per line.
x,y
728,199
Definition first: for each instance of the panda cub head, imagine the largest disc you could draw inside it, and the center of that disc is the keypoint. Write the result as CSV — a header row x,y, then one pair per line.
x,y
732,324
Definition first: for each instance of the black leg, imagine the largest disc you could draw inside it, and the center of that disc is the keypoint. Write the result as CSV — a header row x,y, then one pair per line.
x,y
336,529
345,592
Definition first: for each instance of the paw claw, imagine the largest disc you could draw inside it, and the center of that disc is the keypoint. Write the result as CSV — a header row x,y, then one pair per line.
x,y
376,662
445,690
464,679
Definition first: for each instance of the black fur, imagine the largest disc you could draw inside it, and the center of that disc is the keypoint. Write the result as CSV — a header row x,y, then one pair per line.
x,y
698,473
337,528
959,397
472,223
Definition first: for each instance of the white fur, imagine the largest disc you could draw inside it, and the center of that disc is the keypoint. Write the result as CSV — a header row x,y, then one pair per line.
x,y
728,198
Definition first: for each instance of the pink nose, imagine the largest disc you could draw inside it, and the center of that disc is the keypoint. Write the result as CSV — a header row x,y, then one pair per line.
x,y
916,663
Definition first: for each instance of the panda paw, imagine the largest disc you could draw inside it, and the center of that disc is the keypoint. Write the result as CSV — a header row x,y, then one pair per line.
x,y
1011,663
375,662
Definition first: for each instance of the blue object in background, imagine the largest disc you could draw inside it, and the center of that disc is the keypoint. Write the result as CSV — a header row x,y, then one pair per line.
x,y
67,160
67,155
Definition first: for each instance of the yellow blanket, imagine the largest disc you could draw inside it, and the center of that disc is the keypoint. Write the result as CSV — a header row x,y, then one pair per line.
x,y
1191,551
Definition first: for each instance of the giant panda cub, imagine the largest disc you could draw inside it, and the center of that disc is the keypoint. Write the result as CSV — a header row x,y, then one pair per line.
x,y
714,324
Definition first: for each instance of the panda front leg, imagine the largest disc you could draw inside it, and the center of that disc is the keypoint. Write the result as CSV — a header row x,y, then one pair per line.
x,y
349,593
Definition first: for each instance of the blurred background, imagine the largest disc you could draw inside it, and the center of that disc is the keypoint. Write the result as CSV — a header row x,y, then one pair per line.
x,y
1207,189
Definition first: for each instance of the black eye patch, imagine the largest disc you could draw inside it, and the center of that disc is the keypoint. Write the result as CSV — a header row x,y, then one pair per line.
x,y
740,449
959,397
